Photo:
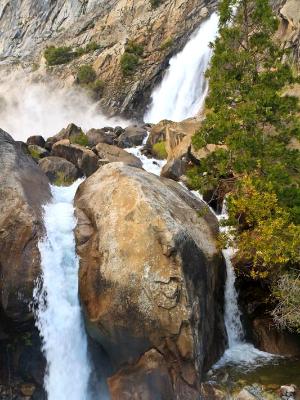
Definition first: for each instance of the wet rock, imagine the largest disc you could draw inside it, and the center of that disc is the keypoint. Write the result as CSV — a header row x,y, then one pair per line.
x,y
174,169
71,131
36,140
118,130
132,136
59,170
113,153
96,136
151,277
268,338
24,188
84,159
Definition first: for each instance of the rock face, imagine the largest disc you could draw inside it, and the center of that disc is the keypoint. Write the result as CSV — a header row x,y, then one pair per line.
x,y
28,26
289,30
24,189
151,281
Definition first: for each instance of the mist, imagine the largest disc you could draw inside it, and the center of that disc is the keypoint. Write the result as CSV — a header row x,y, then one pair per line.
x,y
31,108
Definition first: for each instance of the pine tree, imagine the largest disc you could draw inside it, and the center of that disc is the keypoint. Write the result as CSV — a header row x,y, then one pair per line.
x,y
252,123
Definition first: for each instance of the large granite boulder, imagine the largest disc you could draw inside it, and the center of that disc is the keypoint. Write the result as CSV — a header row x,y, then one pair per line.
x,y
24,188
71,132
115,154
151,281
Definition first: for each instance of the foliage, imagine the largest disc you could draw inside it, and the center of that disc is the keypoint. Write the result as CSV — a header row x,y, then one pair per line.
x,y
86,74
266,238
58,55
35,154
131,57
63,55
166,44
252,124
287,292
159,150
62,180
80,139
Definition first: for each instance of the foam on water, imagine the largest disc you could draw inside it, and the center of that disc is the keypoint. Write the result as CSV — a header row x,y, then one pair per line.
x,y
59,316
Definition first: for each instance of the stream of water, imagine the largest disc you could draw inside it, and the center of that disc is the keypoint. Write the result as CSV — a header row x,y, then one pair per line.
x,y
59,316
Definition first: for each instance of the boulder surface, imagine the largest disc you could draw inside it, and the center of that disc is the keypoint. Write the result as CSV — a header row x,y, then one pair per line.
x,y
151,281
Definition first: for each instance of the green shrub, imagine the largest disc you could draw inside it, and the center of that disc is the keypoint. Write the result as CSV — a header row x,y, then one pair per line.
x,y
131,57
62,180
134,48
97,88
58,55
35,154
159,150
166,44
91,47
81,139
86,74
129,63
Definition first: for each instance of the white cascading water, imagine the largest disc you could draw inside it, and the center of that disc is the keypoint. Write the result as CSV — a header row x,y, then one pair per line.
x,y
59,318
239,352
182,92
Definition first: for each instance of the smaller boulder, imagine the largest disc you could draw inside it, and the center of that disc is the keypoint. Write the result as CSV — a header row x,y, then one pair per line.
x,y
132,136
245,395
96,136
36,140
59,170
85,160
174,169
71,131
109,153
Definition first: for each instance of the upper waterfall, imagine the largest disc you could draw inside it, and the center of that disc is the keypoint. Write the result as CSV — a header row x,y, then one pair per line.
x,y
182,92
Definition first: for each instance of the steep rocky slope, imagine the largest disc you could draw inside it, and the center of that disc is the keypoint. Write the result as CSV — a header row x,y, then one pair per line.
x,y
27,27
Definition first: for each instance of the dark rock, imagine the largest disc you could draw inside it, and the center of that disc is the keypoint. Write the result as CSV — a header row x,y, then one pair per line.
x,y
174,169
36,140
84,159
96,136
118,130
132,136
114,154
268,338
59,169
24,188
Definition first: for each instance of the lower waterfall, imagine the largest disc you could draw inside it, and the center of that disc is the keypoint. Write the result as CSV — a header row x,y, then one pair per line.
x,y
59,318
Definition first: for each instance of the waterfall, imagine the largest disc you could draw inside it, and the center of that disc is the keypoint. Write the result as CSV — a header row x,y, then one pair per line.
x,y
182,92
239,352
59,316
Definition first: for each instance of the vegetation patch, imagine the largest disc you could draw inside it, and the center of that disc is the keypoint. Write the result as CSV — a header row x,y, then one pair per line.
x,y
155,3
62,180
87,78
80,139
131,57
159,150
256,169
63,55
166,44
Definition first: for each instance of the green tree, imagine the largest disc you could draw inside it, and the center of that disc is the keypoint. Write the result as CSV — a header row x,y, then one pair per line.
x,y
251,123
